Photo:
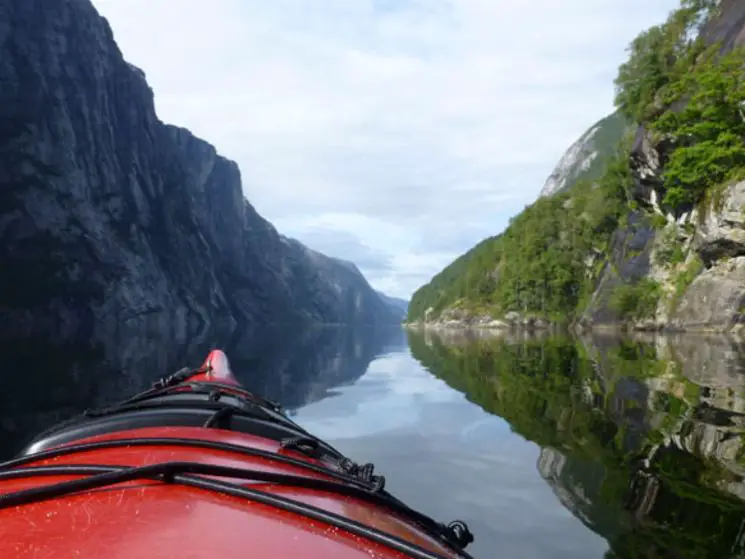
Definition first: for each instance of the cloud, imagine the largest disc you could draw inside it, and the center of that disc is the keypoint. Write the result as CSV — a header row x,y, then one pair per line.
x,y
417,126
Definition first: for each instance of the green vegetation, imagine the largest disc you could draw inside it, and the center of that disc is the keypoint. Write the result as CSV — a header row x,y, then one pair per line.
x,y
636,301
658,221
539,264
669,249
691,96
658,58
605,419
708,132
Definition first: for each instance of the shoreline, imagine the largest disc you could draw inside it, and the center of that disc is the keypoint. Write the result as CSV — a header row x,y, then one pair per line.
x,y
546,326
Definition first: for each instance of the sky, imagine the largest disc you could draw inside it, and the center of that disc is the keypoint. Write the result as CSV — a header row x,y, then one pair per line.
x,y
395,134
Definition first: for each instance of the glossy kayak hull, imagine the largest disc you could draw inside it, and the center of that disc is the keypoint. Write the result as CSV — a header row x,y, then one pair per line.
x,y
171,510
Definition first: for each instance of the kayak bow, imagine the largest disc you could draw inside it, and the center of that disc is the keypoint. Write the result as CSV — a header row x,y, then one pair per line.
x,y
196,467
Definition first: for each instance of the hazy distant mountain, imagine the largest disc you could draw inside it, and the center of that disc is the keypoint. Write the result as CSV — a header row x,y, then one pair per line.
x,y
399,306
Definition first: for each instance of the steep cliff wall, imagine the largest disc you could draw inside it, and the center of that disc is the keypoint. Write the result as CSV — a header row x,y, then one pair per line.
x,y
693,255
107,215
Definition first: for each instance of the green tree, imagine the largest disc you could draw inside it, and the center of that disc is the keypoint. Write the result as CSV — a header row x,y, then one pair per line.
x,y
658,57
708,131
634,301
643,75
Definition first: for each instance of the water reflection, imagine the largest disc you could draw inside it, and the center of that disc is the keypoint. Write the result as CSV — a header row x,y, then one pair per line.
x,y
641,439
46,382
547,447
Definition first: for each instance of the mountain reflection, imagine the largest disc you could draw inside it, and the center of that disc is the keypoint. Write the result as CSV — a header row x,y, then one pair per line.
x,y
46,382
641,439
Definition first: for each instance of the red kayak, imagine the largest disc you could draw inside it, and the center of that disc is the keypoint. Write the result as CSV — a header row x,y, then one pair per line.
x,y
199,467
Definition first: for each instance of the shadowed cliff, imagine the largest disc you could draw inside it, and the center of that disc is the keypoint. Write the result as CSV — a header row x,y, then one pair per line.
x,y
108,216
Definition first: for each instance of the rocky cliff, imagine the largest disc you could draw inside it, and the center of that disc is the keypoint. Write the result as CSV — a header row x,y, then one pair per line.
x,y
647,232
108,216
697,267
586,158
692,255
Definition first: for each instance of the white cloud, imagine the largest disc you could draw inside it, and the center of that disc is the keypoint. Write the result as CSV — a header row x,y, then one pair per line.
x,y
418,127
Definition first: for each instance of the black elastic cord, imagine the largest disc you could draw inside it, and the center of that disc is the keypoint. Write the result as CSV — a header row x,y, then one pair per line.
x,y
197,443
221,410
173,472
155,470
214,391
315,513
307,445
220,415
207,403
237,390
178,377
199,388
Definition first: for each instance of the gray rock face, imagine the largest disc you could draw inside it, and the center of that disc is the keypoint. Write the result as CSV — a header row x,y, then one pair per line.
x,y
585,158
577,158
629,260
646,164
721,231
729,26
715,298
108,215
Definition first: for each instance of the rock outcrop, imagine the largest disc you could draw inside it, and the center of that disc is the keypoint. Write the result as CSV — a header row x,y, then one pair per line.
x,y
459,319
646,164
629,259
107,215
712,298
720,231
715,300
585,158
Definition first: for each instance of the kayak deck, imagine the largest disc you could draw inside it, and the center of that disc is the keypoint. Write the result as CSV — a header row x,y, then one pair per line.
x,y
203,491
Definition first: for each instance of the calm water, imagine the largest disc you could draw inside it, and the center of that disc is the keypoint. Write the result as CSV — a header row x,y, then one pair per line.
x,y
547,447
